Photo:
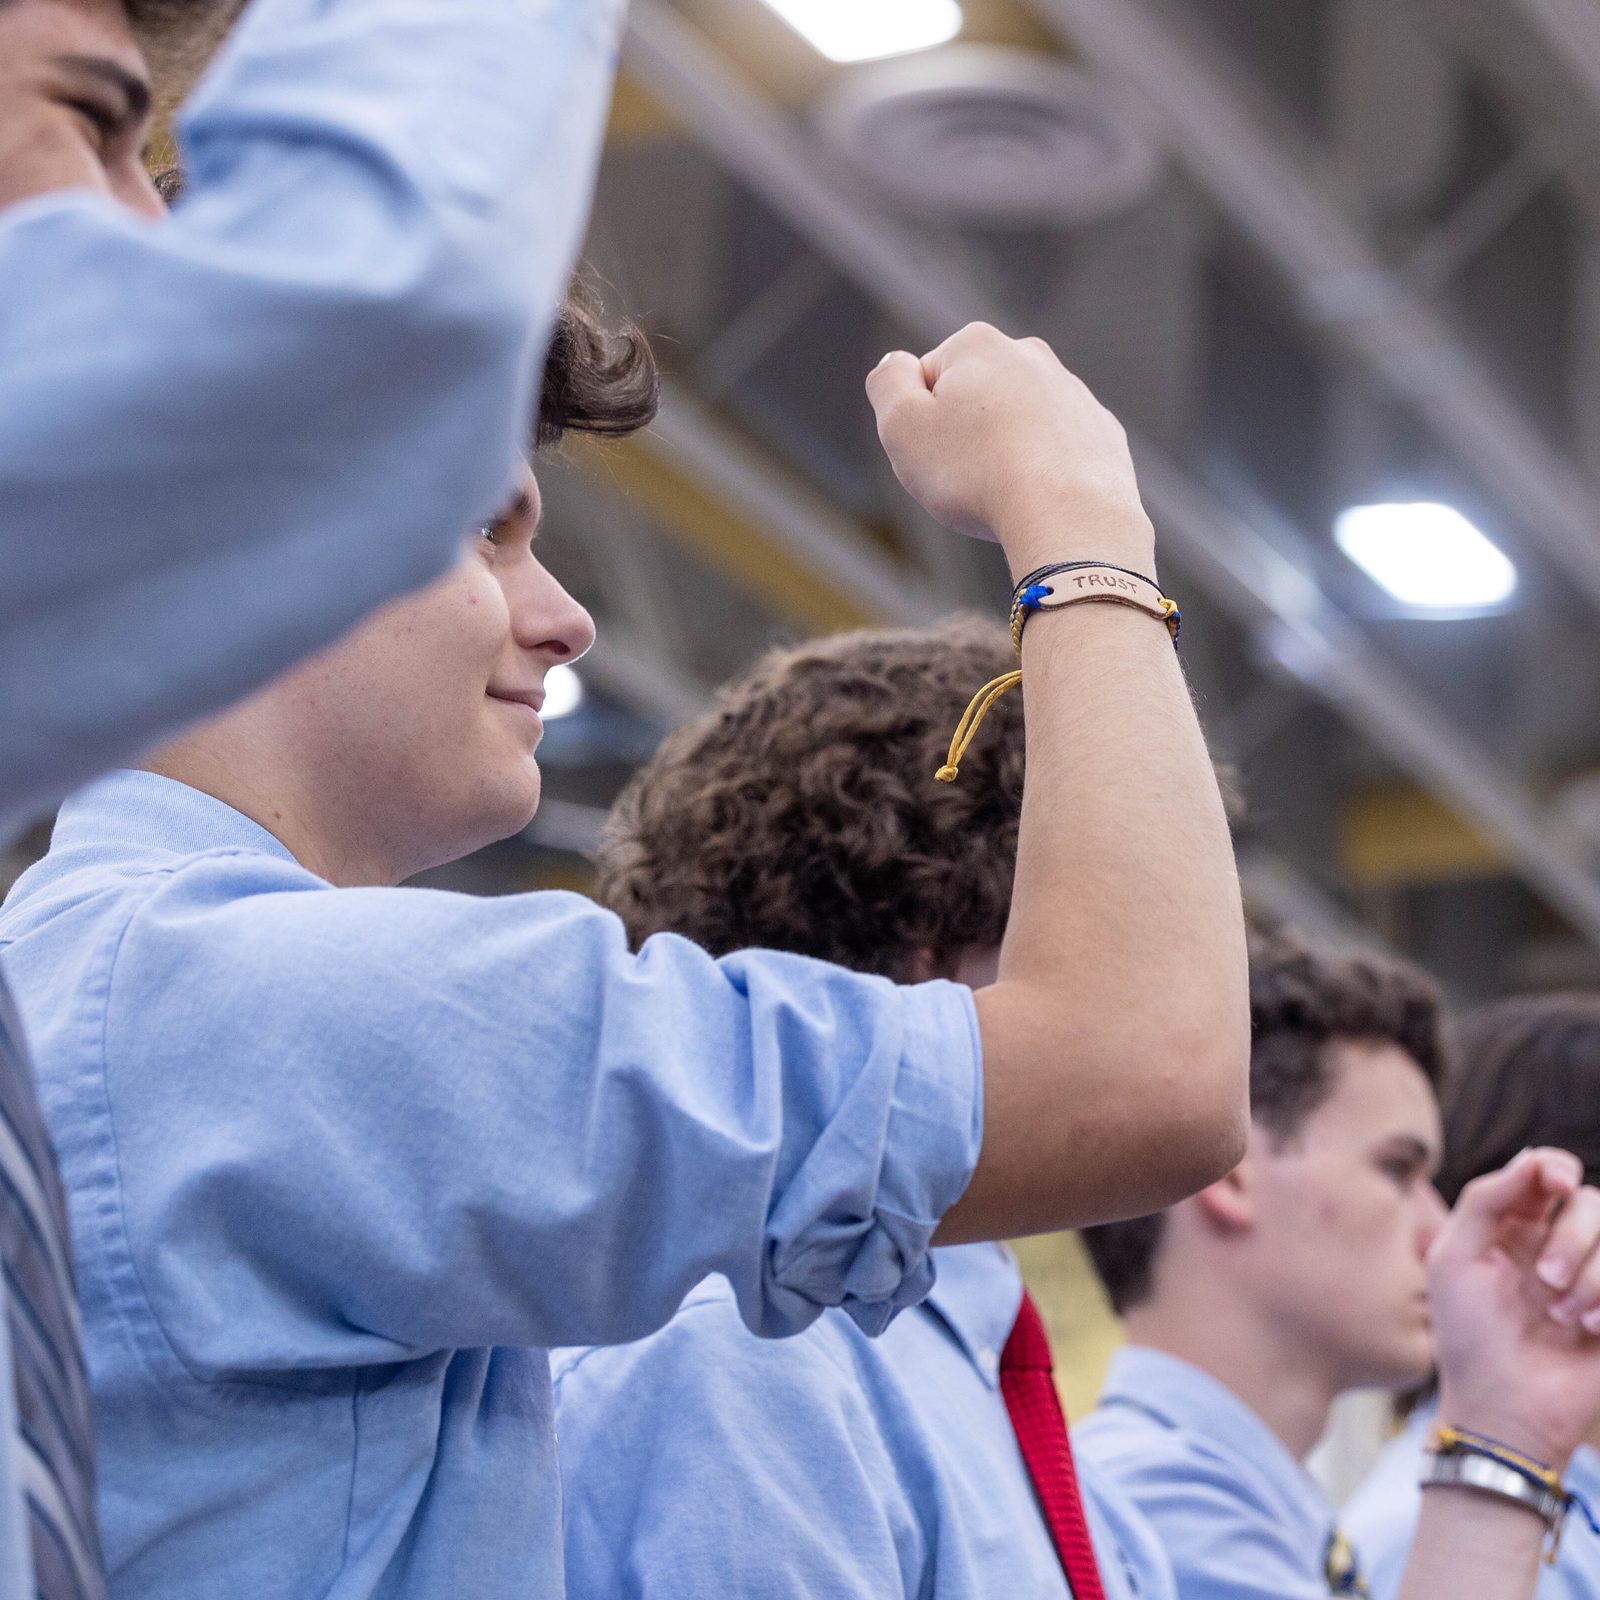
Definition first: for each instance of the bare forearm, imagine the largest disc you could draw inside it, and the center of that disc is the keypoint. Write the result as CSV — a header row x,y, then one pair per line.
x,y
1116,1042
1473,1544
1117,1038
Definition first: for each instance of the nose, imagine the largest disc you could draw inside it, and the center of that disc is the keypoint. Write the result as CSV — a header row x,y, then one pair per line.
x,y
546,620
137,191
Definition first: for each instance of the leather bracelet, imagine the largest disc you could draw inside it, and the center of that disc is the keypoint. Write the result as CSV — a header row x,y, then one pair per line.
x,y
1104,583
1051,588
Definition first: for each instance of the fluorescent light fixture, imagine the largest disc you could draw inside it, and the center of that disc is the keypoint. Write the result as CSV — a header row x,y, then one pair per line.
x,y
563,693
865,30
1427,556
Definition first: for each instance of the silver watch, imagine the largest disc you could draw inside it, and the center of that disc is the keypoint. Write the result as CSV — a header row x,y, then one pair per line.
x,y
1468,1470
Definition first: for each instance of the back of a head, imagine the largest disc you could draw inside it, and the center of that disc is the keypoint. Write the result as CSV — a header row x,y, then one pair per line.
x,y
1301,1002
1527,1072
802,813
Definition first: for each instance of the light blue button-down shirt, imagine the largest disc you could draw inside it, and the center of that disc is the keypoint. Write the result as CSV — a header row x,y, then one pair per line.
x,y
1381,1518
1240,1518
701,1462
341,1161
228,435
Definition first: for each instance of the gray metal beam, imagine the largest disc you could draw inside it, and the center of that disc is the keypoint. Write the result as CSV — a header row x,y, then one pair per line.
x,y
1342,279
1241,570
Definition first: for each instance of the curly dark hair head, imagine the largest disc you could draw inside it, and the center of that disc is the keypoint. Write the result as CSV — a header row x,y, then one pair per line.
x,y
1300,1003
802,813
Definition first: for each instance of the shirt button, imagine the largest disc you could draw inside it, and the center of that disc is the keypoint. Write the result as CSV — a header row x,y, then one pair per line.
x,y
989,1361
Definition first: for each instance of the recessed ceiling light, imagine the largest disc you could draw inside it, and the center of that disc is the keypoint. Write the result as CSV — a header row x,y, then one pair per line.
x,y
563,693
1427,556
864,30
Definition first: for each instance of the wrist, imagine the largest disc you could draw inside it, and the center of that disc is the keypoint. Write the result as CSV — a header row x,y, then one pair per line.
x,y
1040,537
1549,1441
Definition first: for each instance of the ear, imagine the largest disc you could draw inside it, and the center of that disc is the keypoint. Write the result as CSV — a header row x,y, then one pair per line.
x,y
1228,1205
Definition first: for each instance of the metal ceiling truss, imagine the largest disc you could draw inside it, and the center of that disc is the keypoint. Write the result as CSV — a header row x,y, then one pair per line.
x,y
1343,281
909,276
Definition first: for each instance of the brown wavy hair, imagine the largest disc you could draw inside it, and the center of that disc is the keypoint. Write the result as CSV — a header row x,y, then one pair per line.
x,y
1301,1001
801,813
598,379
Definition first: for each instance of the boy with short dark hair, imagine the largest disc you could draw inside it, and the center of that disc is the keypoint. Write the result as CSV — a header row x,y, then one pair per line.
x,y
1325,1262
365,1152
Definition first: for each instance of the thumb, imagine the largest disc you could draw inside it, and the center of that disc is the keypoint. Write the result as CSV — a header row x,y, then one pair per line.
x,y
897,380
1526,1189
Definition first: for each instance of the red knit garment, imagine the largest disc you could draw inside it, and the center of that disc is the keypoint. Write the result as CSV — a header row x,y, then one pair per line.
x,y
1041,1429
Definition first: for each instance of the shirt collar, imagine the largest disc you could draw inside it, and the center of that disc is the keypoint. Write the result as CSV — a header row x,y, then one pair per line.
x,y
976,1295
149,812
1182,1396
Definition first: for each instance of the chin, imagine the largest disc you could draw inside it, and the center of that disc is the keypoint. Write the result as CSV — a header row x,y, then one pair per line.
x,y
1409,1362
496,811
516,807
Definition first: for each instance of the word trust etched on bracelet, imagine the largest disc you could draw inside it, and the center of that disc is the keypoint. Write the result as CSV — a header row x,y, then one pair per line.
x,y
1105,580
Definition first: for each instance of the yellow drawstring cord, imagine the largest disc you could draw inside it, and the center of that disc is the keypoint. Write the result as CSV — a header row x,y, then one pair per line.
x,y
976,711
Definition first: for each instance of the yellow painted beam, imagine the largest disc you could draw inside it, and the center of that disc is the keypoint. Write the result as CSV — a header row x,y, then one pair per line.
x,y
1398,834
637,116
1083,1332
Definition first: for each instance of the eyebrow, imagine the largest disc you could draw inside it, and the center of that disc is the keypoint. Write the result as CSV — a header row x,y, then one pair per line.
x,y
130,85
518,508
1413,1149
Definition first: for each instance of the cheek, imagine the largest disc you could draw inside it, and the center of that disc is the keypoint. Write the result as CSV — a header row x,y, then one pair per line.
x,y
41,154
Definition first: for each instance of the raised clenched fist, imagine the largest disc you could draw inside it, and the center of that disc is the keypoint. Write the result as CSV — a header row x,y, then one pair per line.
x,y
997,440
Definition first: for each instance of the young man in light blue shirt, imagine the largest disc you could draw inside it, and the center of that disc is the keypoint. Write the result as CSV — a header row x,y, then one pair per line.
x,y
798,815
229,434
1526,1072
344,1158
226,436
1325,1262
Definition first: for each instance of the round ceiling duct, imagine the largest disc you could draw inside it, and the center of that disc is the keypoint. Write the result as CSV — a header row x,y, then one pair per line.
x,y
990,135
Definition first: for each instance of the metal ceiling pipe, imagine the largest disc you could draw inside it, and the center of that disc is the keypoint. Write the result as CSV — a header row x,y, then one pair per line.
x,y
1340,276
1238,568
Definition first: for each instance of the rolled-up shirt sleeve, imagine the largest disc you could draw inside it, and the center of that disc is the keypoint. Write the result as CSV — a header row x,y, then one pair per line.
x,y
358,1124
230,433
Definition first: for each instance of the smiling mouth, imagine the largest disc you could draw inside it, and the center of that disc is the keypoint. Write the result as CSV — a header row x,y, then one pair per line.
x,y
525,710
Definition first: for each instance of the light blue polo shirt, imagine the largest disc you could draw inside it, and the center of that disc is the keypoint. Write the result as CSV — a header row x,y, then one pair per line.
x,y
1239,1517
1381,1517
341,1162
702,1463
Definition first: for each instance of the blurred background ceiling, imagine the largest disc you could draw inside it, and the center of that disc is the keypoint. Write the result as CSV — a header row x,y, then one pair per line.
x,y
1317,254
